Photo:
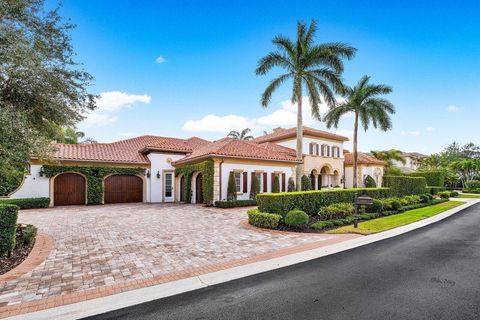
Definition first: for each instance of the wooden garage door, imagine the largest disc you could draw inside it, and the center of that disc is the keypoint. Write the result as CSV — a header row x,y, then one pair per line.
x,y
122,188
69,189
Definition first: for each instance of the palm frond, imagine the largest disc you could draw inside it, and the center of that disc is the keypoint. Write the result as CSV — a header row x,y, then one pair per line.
x,y
273,59
314,97
274,84
333,116
285,44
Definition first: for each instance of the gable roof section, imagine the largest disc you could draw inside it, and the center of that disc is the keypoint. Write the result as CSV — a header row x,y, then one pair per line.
x,y
281,134
362,159
242,149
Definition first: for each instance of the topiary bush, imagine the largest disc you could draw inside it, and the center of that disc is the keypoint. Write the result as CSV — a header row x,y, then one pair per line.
x,y
424,198
28,203
370,182
291,185
231,187
254,187
263,219
402,185
276,184
454,194
8,228
375,207
296,218
444,195
306,183
336,211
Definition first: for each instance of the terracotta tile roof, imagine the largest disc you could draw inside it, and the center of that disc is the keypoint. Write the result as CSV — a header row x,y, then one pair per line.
x,y
228,147
362,159
281,133
126,151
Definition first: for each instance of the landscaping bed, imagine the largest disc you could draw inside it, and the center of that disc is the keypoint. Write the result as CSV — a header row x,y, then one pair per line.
x,y
25,239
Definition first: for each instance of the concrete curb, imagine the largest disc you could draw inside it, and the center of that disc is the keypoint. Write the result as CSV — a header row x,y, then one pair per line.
x,y
133,297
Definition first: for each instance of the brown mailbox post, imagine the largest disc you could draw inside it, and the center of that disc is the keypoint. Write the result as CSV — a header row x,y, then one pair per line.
x,y
360,202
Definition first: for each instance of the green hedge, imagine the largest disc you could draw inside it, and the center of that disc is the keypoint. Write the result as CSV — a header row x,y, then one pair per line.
x,y
263,219
472,184
28,203
8,228
312,201
403,185
206,168
476,191
236,203
435,190
434,178
95,177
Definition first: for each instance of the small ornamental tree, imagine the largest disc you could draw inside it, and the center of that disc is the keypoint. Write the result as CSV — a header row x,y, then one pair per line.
x,y
276,185
232,188
254,187
370,182
306,183
291,185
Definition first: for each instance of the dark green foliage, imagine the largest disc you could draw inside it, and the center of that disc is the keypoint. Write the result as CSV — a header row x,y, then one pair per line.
x,y
434,178
306,183
444,194
28,203
10,180
473,184
296,218
454,194
336,211
312,201
254,187
322,225
8,228
231,188
235,203
262,219
26,234
402,185
476,191
206,168
424,198
291,185
94,175
435,190
276,184
375,207
370,182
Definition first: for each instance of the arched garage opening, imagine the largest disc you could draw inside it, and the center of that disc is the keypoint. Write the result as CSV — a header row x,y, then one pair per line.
x,y
123,188
69,189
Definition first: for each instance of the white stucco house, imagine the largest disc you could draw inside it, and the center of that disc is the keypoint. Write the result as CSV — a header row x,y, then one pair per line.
x,y
366,166
413,161
184,170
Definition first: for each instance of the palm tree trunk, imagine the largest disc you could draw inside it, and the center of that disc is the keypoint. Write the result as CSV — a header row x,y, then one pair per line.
x,y
355,153
299,168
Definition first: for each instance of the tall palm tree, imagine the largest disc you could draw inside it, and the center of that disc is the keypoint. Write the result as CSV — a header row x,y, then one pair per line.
x,y
389,156
364,102
243,135
317,67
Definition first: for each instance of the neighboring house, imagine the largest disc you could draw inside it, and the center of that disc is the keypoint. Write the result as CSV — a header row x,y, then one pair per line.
x,y
367,166
413,161
203,167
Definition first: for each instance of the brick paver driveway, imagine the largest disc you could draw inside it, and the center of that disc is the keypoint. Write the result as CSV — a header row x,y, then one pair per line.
x,y
98,246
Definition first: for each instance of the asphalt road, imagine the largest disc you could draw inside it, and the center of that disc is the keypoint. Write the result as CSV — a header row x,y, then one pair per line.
x,y
429,273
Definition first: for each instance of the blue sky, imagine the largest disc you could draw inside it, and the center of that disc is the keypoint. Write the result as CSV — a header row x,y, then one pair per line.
x,y
204,83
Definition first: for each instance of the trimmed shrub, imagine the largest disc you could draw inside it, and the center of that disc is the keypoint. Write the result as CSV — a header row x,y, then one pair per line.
x,y
336,211
321,225
402,185
471,190
263,219
306,183
375,207
434,178
26,234
444,195
312,201
472,184
391,204
370,182
424,198
291,185
28,203
254,187
435,190
454,194
235,203
296,219
231,188
276,184
8,228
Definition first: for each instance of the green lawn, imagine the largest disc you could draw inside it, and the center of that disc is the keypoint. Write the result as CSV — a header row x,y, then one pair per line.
x,y
464,195
397,220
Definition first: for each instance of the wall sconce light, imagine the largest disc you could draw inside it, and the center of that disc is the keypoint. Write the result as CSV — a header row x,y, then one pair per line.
x,y
147,173
41,172
158,174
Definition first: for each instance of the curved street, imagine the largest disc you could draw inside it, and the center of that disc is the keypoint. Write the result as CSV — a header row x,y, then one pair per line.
x,y
429,273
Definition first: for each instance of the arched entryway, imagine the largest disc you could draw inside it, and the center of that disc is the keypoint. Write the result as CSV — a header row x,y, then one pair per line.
x,y
313,179
325,177
123,188
336,179
69,189
199,188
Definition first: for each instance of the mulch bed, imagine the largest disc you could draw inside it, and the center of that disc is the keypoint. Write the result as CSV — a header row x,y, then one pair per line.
x,y
17,257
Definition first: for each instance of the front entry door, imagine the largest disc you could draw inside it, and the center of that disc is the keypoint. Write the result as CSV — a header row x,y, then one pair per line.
x,y
168,187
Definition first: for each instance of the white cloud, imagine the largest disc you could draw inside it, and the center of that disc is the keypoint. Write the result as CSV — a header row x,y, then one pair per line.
x,y
453,108
160,59
410,133
108,103
430,129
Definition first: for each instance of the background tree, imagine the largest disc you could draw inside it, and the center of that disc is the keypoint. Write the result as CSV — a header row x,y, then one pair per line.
x,y
368,108
315,67
88,141
254,187
243,135
291,185
276,185
41,86
389,156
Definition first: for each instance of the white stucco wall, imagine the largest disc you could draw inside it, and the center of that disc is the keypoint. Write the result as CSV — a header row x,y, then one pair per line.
x,y
33,185
160,162
306,144
249,168
376,172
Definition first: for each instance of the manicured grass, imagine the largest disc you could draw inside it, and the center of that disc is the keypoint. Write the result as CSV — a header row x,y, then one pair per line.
x,y
397,220
468,196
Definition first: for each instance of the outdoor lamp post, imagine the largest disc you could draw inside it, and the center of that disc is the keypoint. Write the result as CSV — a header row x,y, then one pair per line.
x,y
360,202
